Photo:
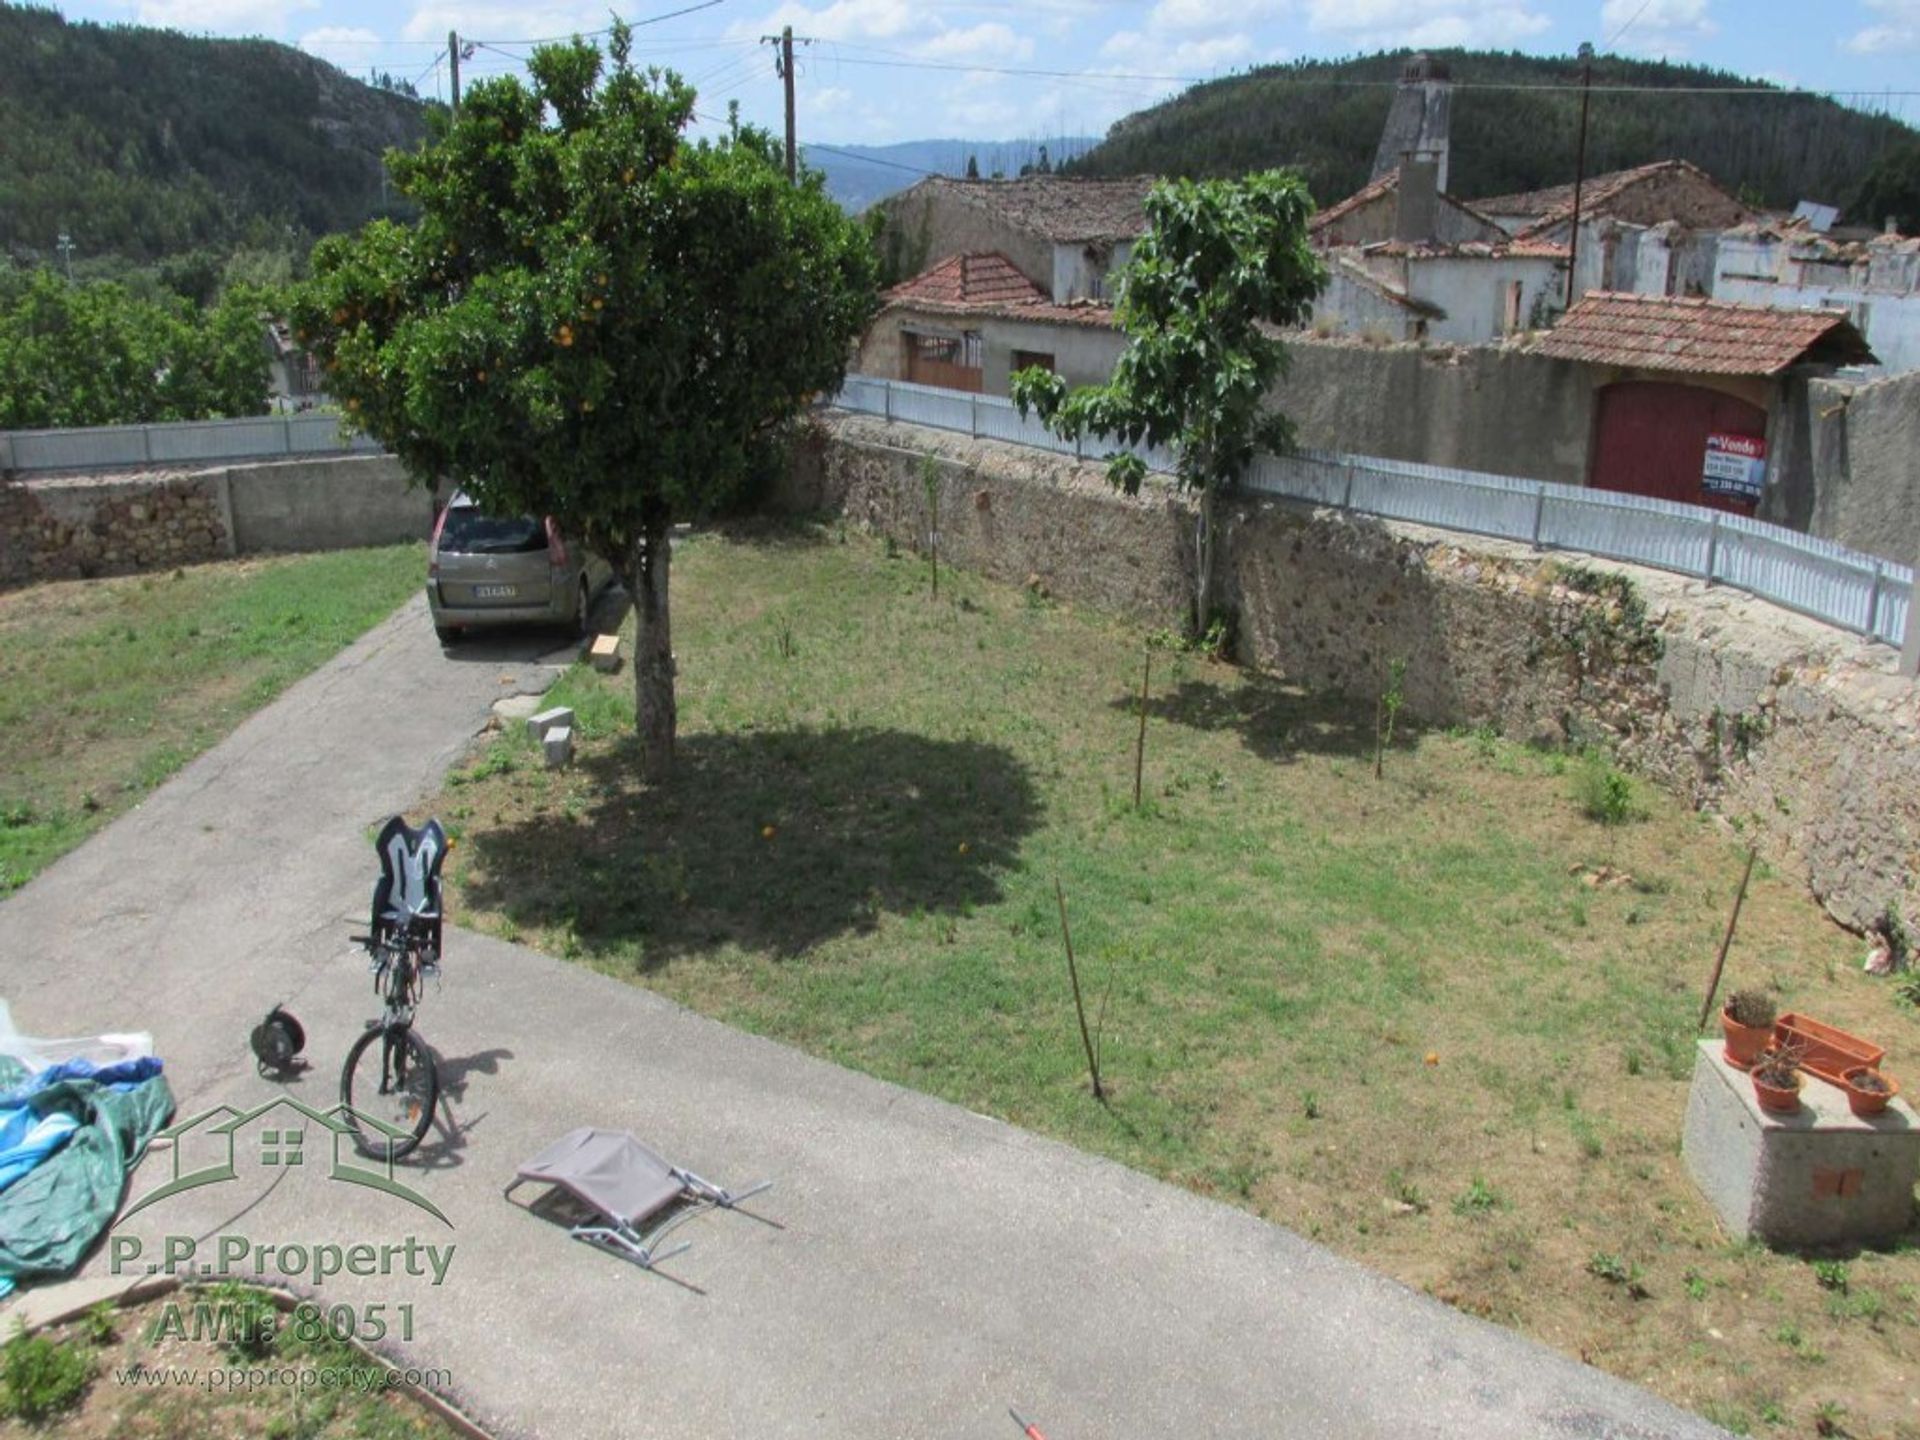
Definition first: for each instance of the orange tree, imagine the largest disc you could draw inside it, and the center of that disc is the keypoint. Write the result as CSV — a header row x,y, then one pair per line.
x,y
594,318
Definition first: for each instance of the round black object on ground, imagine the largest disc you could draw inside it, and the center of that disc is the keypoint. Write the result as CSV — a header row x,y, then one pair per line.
x,y
277,1040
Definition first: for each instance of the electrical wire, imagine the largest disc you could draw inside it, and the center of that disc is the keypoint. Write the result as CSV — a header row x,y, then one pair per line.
x,y
608,29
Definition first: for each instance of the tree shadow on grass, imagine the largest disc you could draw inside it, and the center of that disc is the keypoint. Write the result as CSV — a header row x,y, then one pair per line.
x,y
1274,719
862,823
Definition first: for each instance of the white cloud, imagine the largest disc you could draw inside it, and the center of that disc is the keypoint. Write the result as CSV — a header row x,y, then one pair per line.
x,y
1899,31
432,20
1656,27
1156,55
1212,14
1386,24
990,43
224,17
849,20
348,46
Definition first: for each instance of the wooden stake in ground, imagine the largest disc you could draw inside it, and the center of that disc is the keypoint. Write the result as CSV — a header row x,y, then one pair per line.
x,y
1140,744
1080,1009
1726,942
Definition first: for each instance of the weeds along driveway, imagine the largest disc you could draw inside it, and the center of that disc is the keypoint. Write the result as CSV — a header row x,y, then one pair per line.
x,y
926,1268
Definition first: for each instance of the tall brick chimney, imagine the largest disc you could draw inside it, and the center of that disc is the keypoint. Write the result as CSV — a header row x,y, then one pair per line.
x,y
1420,119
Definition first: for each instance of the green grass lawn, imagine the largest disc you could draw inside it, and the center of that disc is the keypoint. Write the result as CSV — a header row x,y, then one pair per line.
x,y
109,686
1397,1015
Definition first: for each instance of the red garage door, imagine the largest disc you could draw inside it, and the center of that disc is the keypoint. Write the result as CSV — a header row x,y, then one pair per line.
x,y
1652,439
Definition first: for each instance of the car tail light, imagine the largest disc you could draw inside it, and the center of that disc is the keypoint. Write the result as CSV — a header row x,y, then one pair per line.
x,y
556,547
433,545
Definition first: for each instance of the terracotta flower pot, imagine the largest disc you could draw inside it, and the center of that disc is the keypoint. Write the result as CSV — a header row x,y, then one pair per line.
x,y
1745,1043
1773,1097
1869,1102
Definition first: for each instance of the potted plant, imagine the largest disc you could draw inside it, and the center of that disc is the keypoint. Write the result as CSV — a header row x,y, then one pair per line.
x,y
1747,1020
1868,1091
1776,1078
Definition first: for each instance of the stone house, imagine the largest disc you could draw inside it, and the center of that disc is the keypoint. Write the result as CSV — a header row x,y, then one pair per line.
x,y
1064,233
970,321
1651,230
1789,263
1407,261
1703,401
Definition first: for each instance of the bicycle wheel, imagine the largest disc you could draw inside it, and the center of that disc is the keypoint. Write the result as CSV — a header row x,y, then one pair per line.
x,y
390,1078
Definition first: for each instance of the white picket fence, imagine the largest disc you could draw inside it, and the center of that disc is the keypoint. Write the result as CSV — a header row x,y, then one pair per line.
x,y
184,442
1843,587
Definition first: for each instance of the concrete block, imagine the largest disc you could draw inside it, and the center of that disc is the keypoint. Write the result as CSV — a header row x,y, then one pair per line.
x,y
539,725
605,653
1820,1176
557,745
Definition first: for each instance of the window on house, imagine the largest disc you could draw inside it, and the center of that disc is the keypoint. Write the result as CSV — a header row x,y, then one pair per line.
x,y
1030,359
1510,316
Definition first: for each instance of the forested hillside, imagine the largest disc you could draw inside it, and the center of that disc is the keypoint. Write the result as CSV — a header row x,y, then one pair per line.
x,y
1325,117
146,143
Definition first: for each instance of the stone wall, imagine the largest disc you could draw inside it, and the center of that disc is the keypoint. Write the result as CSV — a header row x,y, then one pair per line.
x,y
1802,734
75,526
67,529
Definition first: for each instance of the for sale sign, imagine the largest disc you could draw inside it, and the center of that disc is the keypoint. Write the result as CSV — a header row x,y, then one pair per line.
x,y
1736,467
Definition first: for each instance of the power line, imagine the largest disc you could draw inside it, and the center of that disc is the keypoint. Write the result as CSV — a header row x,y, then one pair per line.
x,y
1628,26
1309,80
608,29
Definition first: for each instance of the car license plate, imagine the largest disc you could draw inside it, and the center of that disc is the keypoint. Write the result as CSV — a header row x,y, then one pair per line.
x,y
493,592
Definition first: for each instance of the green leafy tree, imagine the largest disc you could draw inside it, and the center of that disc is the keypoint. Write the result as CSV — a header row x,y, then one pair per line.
x,y
1222,264
973,167
594,318
99,355
1891,191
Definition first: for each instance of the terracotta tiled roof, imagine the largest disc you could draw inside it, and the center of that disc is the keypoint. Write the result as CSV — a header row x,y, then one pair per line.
x,y
1696,336
1387,184
1600,194
1064,209
1359,200
989,279
989,284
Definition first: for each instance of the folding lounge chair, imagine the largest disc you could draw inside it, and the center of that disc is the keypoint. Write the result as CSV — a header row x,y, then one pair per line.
x,y
625,1183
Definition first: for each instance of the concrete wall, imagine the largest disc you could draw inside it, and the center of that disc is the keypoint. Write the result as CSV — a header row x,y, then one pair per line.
x,y
1502,411
1473,293
1865,442
1348,305
1801,733
1086,272
78,526
326,505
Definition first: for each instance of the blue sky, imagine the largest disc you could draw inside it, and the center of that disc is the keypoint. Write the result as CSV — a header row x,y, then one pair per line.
x,y
885,70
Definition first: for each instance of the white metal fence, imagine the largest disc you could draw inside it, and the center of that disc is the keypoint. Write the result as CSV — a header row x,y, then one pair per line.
x,y
186,442
1816,577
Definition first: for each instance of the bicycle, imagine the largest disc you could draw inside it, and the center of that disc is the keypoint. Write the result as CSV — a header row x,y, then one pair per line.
x,y
390,1088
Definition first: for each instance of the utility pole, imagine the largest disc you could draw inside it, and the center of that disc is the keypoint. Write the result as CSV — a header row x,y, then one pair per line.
x,y
1579,167
65,246
783,67
453,65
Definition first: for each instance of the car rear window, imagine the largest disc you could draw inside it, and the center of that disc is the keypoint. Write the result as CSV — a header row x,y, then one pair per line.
x,y
468,532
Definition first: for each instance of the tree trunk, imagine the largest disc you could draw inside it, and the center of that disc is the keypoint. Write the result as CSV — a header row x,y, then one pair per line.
x,y
1203,553
654,716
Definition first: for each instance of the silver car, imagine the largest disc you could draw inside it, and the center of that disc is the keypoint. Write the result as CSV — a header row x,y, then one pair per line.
x,y
483,570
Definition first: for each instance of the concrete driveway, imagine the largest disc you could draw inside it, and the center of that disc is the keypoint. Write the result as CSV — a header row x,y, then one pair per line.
x,y
917,1268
